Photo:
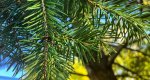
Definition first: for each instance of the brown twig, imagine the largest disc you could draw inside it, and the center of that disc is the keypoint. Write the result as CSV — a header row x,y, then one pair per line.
x,y
133,72
118,50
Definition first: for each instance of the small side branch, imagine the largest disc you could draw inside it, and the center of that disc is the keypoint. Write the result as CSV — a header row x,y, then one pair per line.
x,y
124,75
79,74
118,50
133,72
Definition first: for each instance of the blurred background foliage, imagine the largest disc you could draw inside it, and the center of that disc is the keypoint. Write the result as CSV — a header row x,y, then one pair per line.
x,y
80,71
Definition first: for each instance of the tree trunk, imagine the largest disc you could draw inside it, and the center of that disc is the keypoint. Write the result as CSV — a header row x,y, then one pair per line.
x,y
98,71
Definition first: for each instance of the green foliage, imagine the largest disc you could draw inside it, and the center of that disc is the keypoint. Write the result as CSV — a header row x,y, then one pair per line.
x,y
44,36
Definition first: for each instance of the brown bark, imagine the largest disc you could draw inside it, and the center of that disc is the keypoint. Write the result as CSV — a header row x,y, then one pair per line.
x,y
100,71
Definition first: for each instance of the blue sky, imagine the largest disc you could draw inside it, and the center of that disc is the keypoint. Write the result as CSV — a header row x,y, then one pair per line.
x,y
4,73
